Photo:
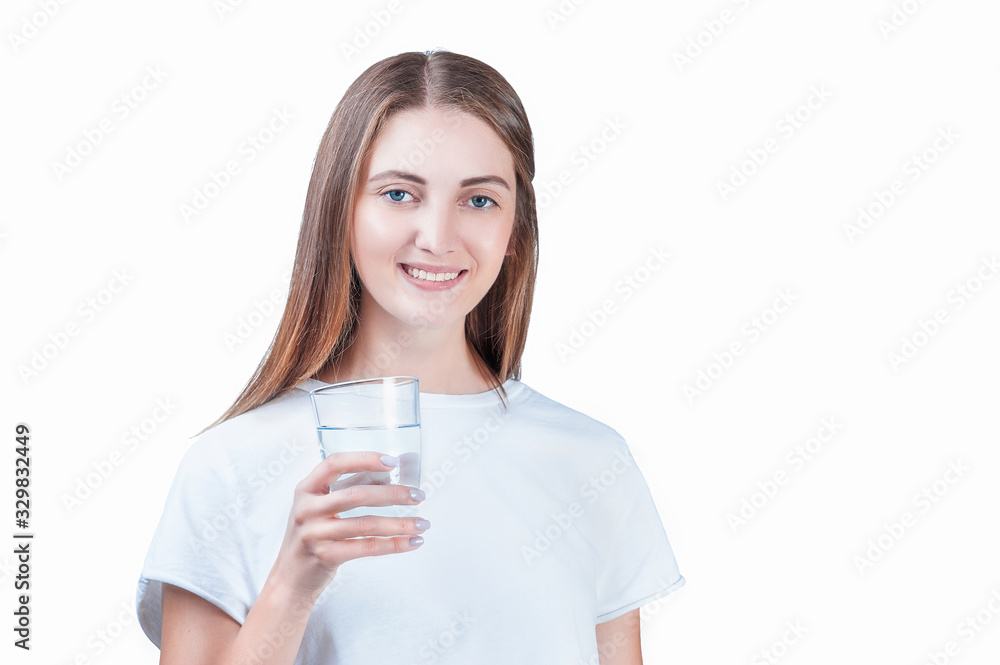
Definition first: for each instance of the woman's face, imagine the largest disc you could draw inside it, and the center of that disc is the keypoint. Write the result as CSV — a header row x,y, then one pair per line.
x,y
436,195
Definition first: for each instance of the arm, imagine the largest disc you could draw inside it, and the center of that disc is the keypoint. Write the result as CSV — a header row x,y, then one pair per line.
x,y
618,640
196,632
317,542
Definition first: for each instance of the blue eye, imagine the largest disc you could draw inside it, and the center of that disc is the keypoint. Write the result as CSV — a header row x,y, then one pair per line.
x,y
396,195
481,201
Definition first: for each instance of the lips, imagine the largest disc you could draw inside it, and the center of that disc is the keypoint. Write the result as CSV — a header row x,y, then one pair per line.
x,y
426,267
428,285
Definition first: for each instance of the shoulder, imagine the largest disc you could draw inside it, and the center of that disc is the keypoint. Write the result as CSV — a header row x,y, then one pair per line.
x,y
279,429
590,460
547,412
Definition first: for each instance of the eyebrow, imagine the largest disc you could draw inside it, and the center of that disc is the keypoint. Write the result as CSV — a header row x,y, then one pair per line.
x,y
412,177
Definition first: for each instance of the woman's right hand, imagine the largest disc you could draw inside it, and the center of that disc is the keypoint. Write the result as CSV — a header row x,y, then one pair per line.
x,y
317,541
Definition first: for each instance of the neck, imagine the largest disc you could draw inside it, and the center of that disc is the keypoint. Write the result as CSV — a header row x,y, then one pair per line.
x,y
440,358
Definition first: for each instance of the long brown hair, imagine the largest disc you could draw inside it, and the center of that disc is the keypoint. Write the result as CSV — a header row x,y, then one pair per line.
x,y
321,314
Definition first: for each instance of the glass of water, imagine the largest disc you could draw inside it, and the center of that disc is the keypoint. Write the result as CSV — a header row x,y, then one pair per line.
x,y
381,415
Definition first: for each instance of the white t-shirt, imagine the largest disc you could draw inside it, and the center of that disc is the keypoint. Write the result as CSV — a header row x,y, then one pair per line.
x,y
542,526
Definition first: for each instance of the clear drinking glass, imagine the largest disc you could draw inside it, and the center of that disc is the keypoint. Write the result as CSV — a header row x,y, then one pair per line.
x,y
381,415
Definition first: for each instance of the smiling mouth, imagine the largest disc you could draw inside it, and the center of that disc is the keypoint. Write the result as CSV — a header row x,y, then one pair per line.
x,y
425,276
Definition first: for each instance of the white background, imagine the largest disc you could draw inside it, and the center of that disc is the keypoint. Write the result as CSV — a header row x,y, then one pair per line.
x,y
804,554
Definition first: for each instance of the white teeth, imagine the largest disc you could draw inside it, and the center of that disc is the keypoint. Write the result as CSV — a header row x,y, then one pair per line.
x,y
431,276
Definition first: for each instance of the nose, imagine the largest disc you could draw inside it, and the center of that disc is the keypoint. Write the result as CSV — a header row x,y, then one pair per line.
x,y
437,228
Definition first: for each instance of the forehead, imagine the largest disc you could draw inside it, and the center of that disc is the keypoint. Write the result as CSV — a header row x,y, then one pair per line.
x,y
438,142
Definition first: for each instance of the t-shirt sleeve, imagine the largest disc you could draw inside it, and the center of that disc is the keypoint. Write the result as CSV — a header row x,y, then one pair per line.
x,y
638,562
197,543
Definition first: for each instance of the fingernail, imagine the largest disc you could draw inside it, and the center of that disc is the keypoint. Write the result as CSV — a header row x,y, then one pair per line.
x,y
389,460
417,495
416,540
422,525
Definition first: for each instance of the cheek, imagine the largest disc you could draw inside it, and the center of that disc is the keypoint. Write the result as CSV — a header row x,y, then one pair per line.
x,y
372,241
492,247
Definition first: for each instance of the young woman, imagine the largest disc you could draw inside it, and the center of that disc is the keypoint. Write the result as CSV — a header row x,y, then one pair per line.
x,y
417,256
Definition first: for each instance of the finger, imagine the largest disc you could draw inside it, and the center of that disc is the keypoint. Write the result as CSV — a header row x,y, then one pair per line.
x,y
362,478
345,498
368,526
345,550
326,472
327,506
